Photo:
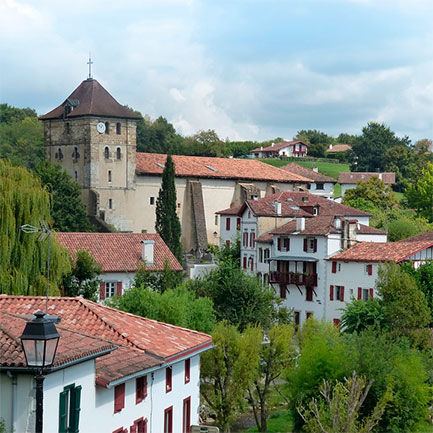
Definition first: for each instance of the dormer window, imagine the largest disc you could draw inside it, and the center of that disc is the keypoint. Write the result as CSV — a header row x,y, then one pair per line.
x,y
106,152
316,210
107,127
68,109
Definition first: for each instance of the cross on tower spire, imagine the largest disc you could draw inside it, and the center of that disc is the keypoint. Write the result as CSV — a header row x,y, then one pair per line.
x,y
90,63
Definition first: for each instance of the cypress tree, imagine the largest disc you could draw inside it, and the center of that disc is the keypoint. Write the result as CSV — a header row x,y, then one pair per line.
x,y
167,223
23,257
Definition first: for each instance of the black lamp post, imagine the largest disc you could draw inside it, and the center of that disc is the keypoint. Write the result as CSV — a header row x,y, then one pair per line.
x,y
39,340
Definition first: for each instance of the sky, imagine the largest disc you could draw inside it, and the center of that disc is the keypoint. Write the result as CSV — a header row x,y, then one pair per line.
x,y
248,69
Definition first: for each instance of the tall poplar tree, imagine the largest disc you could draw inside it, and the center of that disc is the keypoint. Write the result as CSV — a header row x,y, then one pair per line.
x,y
23,256
167,223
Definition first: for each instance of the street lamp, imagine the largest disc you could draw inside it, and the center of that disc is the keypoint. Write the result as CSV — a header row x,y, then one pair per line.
x,y
39,340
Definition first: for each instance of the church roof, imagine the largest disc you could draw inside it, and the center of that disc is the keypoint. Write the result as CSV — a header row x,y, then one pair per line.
x,y
90,99
211,167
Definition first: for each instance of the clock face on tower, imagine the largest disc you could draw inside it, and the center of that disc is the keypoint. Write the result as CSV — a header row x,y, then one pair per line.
x,y
100,127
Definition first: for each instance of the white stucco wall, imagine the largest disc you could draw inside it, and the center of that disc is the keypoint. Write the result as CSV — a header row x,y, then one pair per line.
x,y
228,235
327,190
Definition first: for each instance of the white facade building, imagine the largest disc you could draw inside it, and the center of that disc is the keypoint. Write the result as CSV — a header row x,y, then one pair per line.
x,y
349,180
297,149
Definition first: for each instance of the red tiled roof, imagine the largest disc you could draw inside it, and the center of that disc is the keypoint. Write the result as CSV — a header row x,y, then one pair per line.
x,y
368,230
72,345
354,177
278,146
422,237
217,168
382,251
157,339
91,99
317,226
299,204
119,252
339,148
265,238
306,172
235,210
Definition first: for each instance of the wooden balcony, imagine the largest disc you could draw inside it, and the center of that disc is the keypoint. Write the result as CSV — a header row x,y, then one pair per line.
x,y
293,278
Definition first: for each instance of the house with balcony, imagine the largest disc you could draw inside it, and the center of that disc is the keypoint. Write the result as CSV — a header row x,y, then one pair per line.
x,y
320,184
296,149
113,372
120,255
352,273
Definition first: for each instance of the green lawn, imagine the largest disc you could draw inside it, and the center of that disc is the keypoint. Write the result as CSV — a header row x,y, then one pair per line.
x,y
278,422
327,168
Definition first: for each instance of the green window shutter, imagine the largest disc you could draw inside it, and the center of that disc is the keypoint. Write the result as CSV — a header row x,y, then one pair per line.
x,y
62,412
75,409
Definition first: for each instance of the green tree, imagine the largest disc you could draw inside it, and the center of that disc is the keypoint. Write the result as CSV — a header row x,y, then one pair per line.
x,y
372,191
227,371
339,410
177,306
9,114
167,223
399,159
361,315
205,143
318,141
275,354
160,281
419,194
83,279
23,257
67,208
371,146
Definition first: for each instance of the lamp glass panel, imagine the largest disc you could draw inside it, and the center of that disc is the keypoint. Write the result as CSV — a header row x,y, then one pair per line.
x,y
50,351
34,350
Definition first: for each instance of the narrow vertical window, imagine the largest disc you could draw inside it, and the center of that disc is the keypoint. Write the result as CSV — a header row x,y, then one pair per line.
x,y
228,223
76,175
186,419
119,397
106,152
109,175
168,420
118,128
118,153
107,128
140,389
67,128
168,379
187,370
152,201
110,203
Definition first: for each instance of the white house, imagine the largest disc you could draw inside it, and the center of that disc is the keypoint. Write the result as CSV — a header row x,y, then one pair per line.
x,y
114,372
353,272
296,148
320,184
120,256
348,180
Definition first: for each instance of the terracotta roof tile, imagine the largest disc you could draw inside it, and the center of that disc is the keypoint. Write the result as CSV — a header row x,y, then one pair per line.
x,y
339,148
235,210
72,345
91,99
354,177
382,251
208,167
81,315
422,237
119,252
278,146
317,226
301,204
368,230
306,172
265,238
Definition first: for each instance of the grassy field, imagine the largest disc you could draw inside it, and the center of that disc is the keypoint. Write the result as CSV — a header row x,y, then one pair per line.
x,y
327,168
278,422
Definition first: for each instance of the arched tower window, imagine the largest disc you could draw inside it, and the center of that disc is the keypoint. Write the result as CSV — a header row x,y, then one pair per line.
x,y
75,154
59,154
109,175
118,128
107,127
106,152
118,153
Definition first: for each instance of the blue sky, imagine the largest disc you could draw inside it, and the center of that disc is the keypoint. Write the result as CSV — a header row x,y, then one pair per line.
x,y
249,69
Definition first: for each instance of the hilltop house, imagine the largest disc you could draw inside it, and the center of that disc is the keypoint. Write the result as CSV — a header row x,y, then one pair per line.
x,y
348,180
296,148
120,256
353,272
320,184
338,148
93,137
113,371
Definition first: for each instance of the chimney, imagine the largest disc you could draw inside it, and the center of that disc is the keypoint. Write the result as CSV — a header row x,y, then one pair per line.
x,y
300,224
330,148
273,144
147,254
278,208
337,223
261,147
316,169
380,176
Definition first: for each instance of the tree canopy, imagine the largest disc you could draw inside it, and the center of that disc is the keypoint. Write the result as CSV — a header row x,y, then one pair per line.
x,y
419,194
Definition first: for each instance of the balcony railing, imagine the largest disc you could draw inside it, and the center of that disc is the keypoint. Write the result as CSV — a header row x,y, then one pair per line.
x,y
293,278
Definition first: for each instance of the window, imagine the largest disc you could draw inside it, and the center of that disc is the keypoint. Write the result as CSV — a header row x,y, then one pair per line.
x,y
107,127
364,294
309,294
118,129
109,175
339,267
67,128
168,420
106,152
238,224
249,214
168,378
216,220
227,223
110,288
69,409
297,318
75,154
76,175
140,426
59,154
140,389
119,397
334,267
339,293
319,185
227,243
245,239
244,263
252,239
118,153
369,269
186,418
110,203
152,201
310,245
187,370
266,254
252,264
260,255
309,314
283,290
336,322
315,210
